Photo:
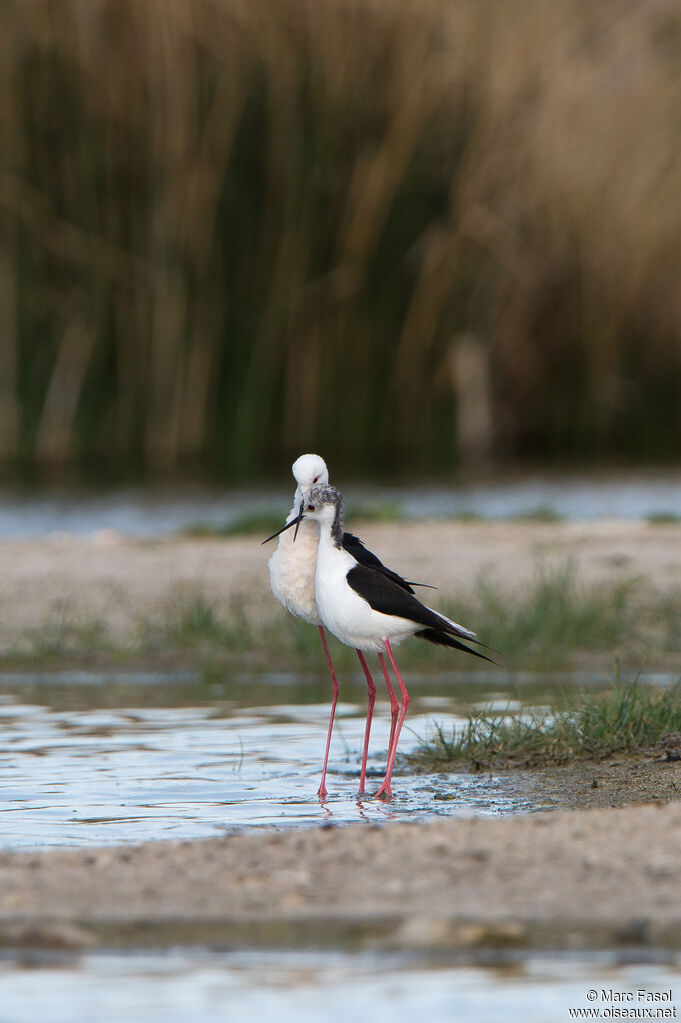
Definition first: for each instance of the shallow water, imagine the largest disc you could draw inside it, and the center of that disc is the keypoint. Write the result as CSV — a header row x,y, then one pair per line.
x,y
198,985
90,759
146,511
193,768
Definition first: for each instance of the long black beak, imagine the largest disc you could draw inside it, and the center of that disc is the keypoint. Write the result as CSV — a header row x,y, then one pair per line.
x,y
294,522
299,519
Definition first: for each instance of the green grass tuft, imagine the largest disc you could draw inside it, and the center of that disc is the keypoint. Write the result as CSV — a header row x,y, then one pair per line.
x,y
663,518
264,522
376,511
552,617
626,718
466,516
542,513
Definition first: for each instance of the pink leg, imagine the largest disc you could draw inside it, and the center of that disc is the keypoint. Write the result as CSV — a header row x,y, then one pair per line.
x,y
394,705
371,685
321,791
385,789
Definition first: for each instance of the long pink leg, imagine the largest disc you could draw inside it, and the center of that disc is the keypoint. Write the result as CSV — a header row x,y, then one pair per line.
x,y
385,789
394,705
371,685
321,791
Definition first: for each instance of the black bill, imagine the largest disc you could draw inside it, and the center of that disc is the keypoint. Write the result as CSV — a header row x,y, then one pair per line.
x,y
294,522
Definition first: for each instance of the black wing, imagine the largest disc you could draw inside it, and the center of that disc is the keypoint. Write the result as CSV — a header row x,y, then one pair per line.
x,y
353,545
383,595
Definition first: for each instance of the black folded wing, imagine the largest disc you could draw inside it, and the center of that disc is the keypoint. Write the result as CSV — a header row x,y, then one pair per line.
x,y
353,545
384,595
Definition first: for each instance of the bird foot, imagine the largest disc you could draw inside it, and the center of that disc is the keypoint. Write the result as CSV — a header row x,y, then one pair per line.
x,y
385,792
322,791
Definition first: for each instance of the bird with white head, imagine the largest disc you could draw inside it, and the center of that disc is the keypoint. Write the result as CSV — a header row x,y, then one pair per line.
x,y
293,581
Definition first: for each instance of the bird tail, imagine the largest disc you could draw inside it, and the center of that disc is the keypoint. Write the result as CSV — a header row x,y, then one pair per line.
x,y
442,638
454,627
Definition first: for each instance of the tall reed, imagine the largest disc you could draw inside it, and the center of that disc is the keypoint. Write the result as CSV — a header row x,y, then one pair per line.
x,y
231,230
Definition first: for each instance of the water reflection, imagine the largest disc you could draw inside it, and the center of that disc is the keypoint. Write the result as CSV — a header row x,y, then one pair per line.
x,y
74,774
87,777
303,985
95,759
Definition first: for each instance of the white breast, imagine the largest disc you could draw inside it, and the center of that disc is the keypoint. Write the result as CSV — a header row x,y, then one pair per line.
x,y
347,615
292,571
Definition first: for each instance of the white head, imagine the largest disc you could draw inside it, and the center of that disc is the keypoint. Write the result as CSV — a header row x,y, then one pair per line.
x,y
323,504
308,471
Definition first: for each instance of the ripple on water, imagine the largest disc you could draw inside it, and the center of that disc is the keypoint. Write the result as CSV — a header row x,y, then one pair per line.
x,y
138,772
132,774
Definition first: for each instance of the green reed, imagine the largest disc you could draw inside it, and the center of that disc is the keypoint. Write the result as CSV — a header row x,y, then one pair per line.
x,y
233,230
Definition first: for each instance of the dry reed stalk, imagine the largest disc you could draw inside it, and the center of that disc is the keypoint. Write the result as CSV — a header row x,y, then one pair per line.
x,y
256,218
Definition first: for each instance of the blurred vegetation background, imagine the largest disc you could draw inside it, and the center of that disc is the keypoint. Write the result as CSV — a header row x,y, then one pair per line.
x,y
426,233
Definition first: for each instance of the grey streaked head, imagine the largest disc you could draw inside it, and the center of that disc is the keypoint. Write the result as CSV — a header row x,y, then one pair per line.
x,y
324,493
322,497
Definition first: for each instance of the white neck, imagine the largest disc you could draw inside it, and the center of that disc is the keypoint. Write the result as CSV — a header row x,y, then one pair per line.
x,y
325,538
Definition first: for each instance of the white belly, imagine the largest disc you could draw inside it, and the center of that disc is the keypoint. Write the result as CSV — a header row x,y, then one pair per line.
x,y
347,615
292,571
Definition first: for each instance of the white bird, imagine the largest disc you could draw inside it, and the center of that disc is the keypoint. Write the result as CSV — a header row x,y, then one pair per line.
x,y
366,609
292,579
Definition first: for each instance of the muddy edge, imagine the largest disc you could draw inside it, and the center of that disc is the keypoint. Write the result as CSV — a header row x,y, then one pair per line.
x,y
589,877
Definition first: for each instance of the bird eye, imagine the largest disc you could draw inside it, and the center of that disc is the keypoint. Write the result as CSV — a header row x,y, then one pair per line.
x,y
310,507
315,479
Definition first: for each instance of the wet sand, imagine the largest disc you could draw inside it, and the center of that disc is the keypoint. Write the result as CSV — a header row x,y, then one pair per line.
x,y
560,880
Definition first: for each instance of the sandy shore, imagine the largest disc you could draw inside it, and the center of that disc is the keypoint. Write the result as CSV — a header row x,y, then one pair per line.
x,y
584,878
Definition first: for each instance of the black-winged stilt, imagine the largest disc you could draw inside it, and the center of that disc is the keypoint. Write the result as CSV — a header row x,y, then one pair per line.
x,y
292,578
366,609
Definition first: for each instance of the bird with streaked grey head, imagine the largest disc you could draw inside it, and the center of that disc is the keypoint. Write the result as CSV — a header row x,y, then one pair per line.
x,y
366,609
